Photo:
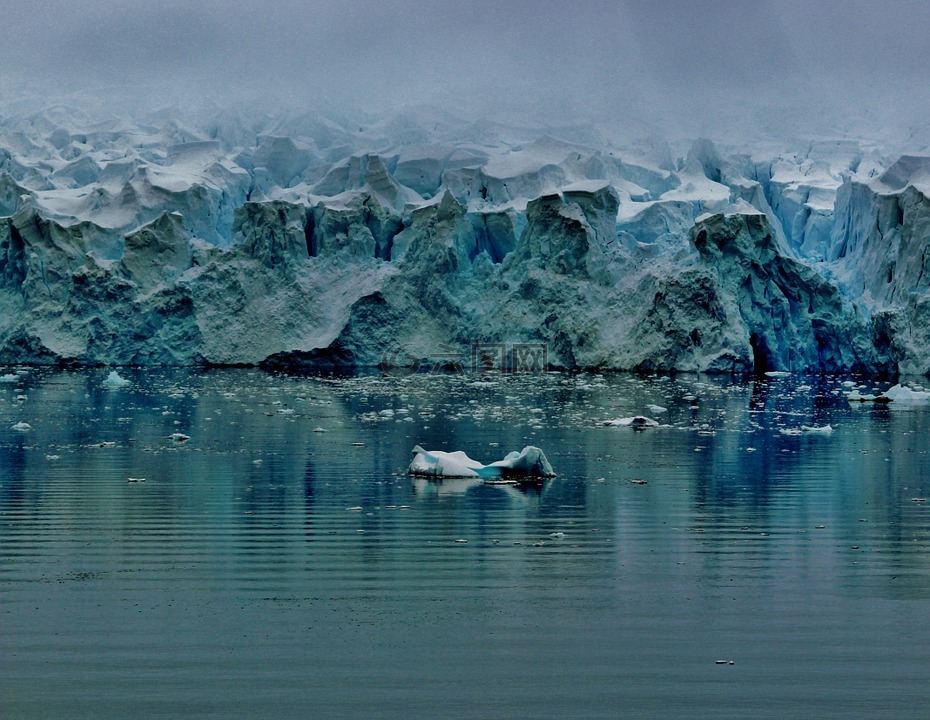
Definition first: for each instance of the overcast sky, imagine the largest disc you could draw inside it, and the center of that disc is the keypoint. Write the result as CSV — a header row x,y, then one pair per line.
x,y
701,61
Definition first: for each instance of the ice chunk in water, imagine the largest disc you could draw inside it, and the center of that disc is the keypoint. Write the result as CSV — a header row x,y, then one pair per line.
x,y
114,381
636,422
902,393
529,462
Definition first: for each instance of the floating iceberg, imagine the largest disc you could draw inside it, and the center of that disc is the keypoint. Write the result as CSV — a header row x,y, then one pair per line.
x,y
114,381
904,394
530,462
817,429
637,422
856,396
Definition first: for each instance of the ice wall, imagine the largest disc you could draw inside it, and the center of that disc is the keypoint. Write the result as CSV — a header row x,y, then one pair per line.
x,y
299,242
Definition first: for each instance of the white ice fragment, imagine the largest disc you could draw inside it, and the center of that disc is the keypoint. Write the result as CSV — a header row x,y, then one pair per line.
x,y
386,413
319,430
777,373
179,437
856,396
114,381
656,409
22,426
903,394
9,378
637,422
817,429
529,462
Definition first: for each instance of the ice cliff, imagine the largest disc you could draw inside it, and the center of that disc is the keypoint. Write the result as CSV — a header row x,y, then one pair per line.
x,y
305,241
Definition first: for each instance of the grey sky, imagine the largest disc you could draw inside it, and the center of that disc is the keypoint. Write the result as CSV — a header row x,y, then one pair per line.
x,y
705,61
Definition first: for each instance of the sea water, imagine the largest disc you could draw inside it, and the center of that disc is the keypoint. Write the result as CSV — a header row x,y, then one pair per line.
x,y
236,544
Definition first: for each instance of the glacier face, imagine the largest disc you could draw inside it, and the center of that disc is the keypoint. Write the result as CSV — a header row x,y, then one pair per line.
x,y
303,241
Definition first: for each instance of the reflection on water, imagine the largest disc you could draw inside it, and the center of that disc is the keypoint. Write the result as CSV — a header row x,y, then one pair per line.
x,y
280,562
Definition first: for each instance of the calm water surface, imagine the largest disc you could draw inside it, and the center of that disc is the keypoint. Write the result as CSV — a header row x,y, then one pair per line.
x,y
281,564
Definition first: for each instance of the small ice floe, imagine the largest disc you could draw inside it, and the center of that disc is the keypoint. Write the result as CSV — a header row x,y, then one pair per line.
x,y
319,429
530,462
21,427
637,422
9,378
856,396
52,457
777,373
656,409
114,381
903,394
179,437
808,430
135,480
817,429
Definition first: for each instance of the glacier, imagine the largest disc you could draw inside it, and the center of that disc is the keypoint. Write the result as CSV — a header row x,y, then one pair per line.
x,y
303,241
